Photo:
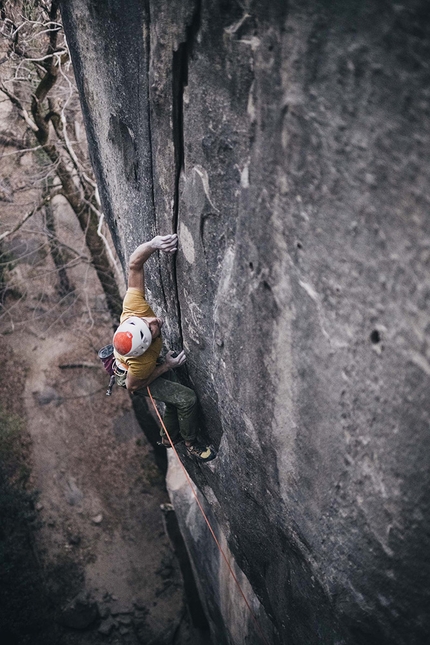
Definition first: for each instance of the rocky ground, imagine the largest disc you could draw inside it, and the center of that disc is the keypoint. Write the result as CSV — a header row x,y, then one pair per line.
x,y
108,565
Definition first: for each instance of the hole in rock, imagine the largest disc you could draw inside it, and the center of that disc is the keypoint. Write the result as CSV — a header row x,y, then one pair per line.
x,y
375,336
251,266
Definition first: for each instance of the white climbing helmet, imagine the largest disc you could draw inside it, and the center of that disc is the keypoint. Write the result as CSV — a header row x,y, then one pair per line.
x,y
132,338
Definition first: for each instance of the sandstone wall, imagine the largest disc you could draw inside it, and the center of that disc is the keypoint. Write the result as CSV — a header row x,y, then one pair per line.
x,y
287,143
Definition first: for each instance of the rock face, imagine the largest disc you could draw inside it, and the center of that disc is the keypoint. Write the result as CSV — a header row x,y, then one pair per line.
x,y
287,143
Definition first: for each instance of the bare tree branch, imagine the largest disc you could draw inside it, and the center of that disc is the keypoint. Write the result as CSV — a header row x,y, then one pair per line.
x,y
22,111
78,187
100,234
26,217
11,142
23,221
79,256
21,151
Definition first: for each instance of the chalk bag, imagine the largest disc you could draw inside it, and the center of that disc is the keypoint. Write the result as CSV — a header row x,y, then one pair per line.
x,y
107,358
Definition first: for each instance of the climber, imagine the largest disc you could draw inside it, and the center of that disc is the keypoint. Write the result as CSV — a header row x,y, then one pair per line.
x,y
137,345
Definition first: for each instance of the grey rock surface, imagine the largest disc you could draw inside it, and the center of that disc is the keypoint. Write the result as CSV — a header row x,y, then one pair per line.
x,y
107,626
287,143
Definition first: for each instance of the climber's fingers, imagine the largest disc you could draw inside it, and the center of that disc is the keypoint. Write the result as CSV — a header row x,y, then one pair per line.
x,y
166,243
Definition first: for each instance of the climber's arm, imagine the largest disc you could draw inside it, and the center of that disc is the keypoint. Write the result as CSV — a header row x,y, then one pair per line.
x,y
165,243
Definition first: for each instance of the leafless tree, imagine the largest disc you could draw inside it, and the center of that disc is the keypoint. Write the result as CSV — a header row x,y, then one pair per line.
x,y
36,79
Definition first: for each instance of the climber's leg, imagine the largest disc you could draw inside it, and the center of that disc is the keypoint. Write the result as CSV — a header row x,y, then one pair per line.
x,y
181,413
181,408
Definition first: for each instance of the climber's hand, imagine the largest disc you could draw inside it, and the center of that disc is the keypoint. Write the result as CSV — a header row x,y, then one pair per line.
x,y
173,361
165,243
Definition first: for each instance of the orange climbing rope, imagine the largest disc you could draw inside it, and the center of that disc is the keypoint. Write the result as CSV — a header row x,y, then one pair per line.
x,y
256,623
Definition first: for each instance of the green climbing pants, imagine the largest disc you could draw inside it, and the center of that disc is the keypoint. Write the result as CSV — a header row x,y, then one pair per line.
x,y
181,415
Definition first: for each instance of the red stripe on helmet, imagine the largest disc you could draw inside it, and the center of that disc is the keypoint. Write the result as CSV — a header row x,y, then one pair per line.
x,y
123,341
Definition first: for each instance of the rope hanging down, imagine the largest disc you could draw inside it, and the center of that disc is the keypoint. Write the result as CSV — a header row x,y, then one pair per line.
x,y
254,619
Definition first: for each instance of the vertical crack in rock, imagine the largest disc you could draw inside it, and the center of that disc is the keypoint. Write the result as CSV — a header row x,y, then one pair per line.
x,y
180,61
147,45
148,102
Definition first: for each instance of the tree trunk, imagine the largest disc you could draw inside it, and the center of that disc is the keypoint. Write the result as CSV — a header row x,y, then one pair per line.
x,y
64,284
88,221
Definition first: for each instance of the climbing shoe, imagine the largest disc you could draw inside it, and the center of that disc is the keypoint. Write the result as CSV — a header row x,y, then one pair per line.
x,y
200,452
166,443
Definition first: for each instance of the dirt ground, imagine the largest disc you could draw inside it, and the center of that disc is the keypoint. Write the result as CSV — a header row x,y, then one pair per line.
x,y
100,491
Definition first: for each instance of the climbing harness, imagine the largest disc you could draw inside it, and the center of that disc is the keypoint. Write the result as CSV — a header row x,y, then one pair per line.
x,y
206,519
120,374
